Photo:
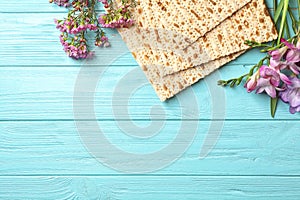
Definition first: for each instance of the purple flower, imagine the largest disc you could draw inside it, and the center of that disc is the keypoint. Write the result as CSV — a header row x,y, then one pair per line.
x,y
286,57
271,73
293,53
268,81
82,27
92,27
276,58
252,82
291,95
278,53
265,85
274,74
293,67
75,48
64,3
119,19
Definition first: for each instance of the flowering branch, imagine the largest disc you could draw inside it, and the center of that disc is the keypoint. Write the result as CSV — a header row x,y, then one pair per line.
x,y
119,17
277,74
82,18
237,81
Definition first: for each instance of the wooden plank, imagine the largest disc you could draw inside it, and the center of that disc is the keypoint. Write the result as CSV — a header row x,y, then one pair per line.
x,y
132,188
43,6
35,93
243,148
34,6
32,39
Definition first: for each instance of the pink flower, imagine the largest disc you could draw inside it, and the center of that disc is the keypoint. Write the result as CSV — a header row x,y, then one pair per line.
x,y
274,74
64,3
278,54
102,42
268,81
252,82
276,58
264,84
293,53
290,53
75,49
92,27
119,19
291,95
270,73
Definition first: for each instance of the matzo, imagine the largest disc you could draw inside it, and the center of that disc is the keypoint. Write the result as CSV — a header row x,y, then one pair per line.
x,y
190,18
253,22
170,85
159,54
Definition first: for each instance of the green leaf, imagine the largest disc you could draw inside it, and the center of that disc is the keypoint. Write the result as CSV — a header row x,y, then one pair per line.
x,y
274,103
298,10
283,19
275,4
278,11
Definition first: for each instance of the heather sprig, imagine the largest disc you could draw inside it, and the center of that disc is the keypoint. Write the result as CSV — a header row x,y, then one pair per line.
x,y
82,18
117,16
64,3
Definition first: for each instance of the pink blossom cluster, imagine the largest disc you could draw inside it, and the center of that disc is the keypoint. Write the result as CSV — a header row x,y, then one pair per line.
x,y
64,3
116,18
72,26
72,37
75,48
105,3
82,18
115,23
102,42
281,77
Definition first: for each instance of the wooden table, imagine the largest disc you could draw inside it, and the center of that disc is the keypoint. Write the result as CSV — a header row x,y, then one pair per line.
x,y
44,156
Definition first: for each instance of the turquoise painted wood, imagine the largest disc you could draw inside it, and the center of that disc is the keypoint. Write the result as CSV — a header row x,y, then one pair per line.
x,y
54,147
43,154
150,187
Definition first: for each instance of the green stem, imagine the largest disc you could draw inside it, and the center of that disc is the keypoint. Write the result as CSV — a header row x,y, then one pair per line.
x,y
298,10
278,11
279,45
254,44
237,81
283,19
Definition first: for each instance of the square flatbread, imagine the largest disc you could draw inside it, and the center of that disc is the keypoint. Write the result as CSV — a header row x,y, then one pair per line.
x,y
190,18
170,85
252,22
162,57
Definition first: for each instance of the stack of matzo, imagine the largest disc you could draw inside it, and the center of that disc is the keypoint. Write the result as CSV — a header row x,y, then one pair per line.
x,y
178,42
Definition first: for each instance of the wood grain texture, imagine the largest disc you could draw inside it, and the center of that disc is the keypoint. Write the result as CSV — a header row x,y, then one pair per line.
x,y
41,152
43,6
244,148
33,40
149,188
47,93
